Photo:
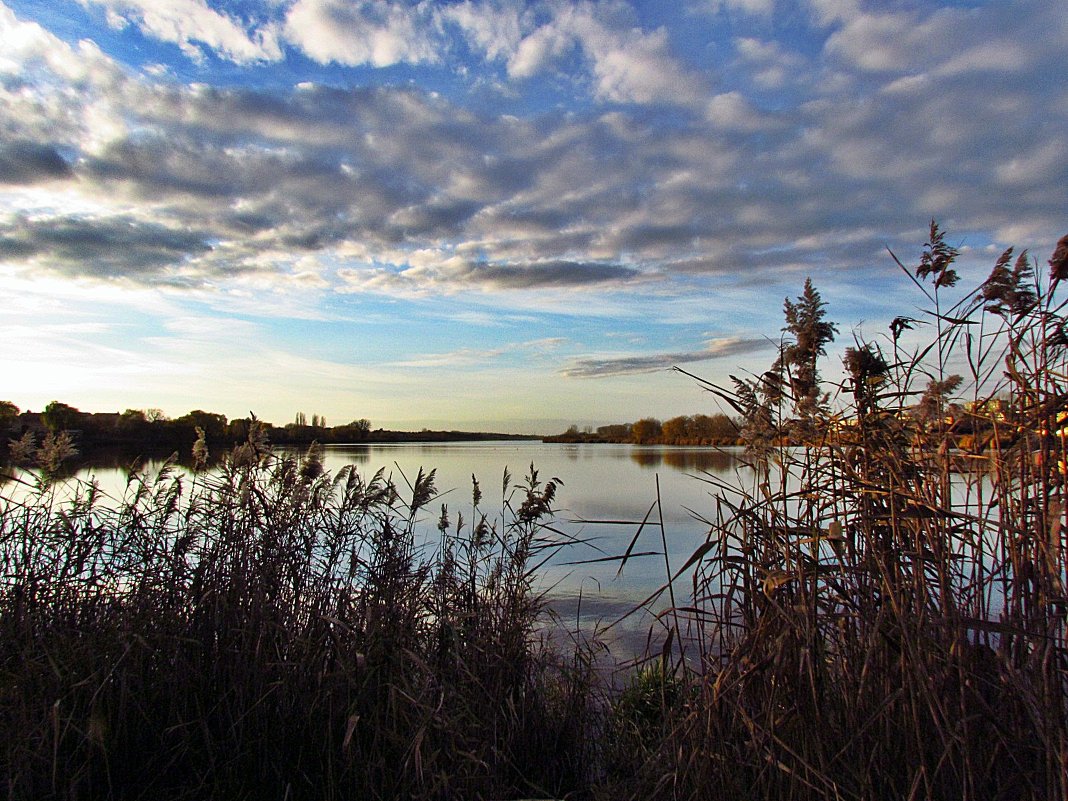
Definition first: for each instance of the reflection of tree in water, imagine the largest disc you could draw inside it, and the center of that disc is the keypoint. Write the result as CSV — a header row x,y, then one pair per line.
x,y
691,460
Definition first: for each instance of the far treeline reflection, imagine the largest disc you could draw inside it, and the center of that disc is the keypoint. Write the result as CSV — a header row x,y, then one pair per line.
x,y
686,459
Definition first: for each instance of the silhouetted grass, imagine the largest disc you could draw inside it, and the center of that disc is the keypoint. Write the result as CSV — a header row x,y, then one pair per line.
x,y
267,630
881,615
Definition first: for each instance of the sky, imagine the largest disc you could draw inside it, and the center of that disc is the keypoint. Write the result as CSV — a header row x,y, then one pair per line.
x,y
494,214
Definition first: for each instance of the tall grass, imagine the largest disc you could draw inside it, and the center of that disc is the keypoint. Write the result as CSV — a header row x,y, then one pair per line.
x,y
881,615
268,630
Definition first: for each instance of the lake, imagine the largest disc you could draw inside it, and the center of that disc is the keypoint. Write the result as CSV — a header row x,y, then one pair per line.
x,y
600,483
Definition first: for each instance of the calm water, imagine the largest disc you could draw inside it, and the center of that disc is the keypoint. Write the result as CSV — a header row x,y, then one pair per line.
x,y
600,483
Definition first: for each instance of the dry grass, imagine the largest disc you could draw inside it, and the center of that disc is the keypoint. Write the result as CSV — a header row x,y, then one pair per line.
x,y
882,614
267,630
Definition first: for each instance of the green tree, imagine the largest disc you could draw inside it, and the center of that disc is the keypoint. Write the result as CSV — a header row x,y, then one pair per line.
x,y
60,417
9,413
616,431
132,417
134,425
214,425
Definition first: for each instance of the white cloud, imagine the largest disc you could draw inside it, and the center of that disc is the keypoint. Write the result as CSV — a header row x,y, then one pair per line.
x,y
771,65
1030,166
29,47
828,12
536,51
56,93
361,32
947,41
636,67
494,29
732,111
629,65
190,24
888,42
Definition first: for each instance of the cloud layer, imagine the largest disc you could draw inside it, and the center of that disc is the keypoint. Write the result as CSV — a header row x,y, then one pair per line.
x,y
580,158
653,362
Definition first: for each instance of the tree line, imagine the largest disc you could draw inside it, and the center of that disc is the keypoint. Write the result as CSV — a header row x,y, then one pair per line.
x,y
151,429
696,429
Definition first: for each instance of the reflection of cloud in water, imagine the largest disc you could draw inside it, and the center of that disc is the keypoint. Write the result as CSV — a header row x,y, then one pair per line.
x,y
619,632
686,459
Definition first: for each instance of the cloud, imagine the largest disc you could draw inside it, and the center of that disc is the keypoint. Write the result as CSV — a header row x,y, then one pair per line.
x,y
394,189
655,362
491,28
771,65
191,24
482,357
100,248
24,162
354,32
456,274
629,65
545,274
731,111
948,40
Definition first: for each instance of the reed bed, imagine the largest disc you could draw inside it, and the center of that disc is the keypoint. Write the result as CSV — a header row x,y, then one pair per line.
x,y
881,615
268,630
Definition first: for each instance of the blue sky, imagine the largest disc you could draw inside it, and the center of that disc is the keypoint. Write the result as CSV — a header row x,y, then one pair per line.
x,y
497,215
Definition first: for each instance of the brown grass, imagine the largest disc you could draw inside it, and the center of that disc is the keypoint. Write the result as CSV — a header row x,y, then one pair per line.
x,y
268,630
882,614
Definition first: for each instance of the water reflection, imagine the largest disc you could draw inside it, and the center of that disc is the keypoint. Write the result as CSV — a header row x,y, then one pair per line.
x,y
688,460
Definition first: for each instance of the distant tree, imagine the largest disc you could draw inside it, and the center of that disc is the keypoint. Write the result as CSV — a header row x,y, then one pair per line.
x,y
9,413
133,424
301,419
616,431
214,425
717,429
132,417
677,431
60,417
363,427
646,430
155,416
237,430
